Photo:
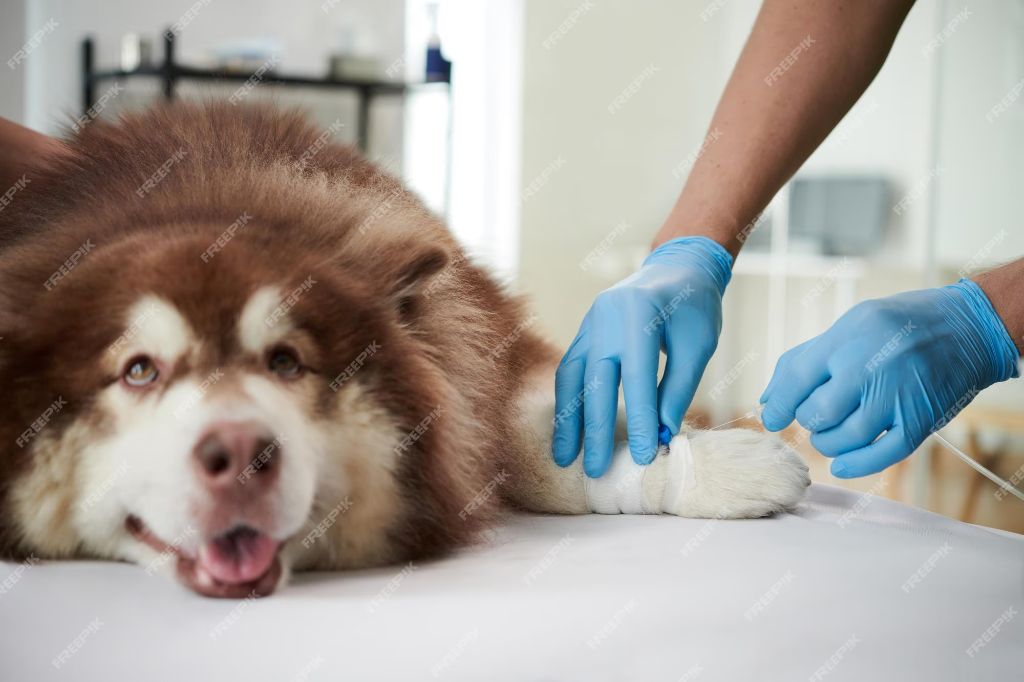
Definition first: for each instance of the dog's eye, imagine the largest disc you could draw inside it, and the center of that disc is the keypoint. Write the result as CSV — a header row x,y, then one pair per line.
x,y
284,363
141,371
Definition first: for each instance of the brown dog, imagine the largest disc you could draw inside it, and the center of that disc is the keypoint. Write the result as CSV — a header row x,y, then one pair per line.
x,y
231,348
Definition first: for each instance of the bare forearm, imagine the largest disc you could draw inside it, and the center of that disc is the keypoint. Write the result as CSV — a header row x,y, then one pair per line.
x,y
1003,286
803,67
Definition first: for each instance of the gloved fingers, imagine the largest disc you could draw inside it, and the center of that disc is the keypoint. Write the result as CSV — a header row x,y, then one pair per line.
x,y
782,366
794,380
640,390
886,451
599,409
857,431
684,367
568,419
829,404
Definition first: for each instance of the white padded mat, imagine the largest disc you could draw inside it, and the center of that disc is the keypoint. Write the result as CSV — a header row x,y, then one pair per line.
x,y
828,593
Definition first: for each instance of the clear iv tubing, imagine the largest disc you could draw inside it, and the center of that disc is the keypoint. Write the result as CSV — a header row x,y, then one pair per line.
x,y
995,478
1005,485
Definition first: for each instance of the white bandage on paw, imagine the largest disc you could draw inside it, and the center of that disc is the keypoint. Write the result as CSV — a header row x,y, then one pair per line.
x,y
681,479
631,488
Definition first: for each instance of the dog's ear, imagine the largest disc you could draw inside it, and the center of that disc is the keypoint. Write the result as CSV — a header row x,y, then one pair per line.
x,y
412,276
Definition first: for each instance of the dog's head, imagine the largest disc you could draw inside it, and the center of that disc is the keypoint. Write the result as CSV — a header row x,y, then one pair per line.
x,y
223,410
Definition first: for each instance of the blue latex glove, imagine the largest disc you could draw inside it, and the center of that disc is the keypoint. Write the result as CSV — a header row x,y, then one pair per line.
x,y
674,302
901,366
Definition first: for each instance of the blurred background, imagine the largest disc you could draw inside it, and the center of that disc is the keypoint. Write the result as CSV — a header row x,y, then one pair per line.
x,y
555,135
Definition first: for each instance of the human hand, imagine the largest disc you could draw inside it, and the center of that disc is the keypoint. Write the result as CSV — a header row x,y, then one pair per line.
x,y
674,302
901,366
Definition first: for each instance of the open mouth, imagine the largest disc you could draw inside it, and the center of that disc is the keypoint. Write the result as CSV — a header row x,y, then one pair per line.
x,y
241,562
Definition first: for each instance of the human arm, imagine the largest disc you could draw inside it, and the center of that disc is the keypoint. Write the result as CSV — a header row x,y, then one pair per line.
x,y
674,302
770,120
893,370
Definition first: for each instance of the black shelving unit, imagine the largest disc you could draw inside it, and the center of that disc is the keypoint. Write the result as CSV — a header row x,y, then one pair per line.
x,y
170,73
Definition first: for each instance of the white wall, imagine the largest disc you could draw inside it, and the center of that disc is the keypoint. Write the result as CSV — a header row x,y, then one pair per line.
x,y
602,168
13,25
617,168
306,32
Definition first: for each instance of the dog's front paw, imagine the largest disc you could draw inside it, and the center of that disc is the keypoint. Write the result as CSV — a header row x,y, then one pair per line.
x,y
739,473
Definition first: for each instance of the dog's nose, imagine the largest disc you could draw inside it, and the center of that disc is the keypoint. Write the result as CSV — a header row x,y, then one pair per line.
x,y
231,453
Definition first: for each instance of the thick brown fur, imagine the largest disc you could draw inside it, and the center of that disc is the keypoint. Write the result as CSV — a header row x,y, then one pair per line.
x,y
387,271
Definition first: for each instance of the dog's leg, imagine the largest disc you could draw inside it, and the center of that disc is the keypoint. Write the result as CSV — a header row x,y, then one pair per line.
x,y
732,473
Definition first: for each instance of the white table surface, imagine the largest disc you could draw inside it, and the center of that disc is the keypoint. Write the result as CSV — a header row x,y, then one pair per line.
x,y
821,594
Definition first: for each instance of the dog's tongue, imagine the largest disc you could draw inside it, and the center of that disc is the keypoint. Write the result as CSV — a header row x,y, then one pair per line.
x,y
241,556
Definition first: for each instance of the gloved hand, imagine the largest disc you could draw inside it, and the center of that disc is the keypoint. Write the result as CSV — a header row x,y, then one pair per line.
x,y
674,302
901,366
